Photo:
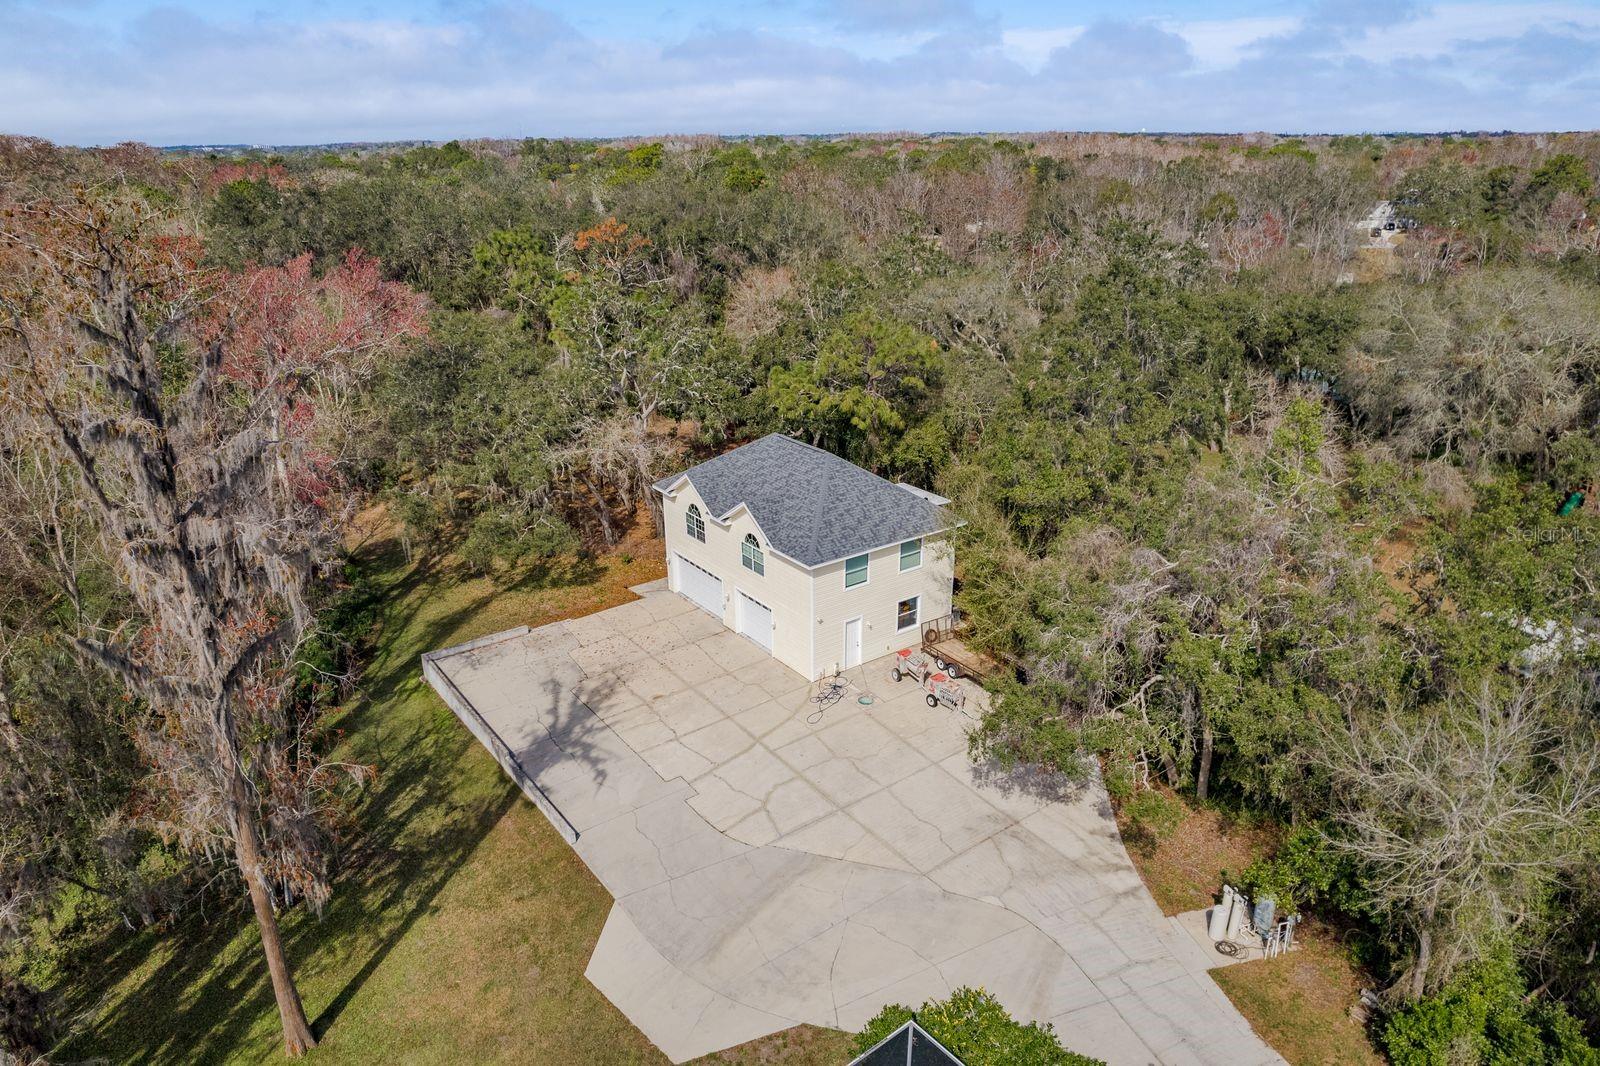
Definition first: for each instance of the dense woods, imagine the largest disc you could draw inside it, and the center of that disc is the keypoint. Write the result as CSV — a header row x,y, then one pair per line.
x,y
1266,514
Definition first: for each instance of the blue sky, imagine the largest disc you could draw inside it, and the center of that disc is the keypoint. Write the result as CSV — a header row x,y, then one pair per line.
x,y
297,71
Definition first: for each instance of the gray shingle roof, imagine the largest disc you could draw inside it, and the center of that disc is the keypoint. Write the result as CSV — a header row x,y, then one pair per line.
x,y
814,506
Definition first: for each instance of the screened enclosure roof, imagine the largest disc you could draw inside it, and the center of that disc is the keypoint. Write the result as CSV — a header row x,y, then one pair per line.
x,y
909,1045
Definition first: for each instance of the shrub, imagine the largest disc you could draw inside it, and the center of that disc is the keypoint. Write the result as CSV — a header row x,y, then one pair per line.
x,y
977,1029
1484,1016
1153,816
323,667
506,538
1306,871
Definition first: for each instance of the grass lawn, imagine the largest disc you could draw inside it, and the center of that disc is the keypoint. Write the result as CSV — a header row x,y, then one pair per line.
x,y
1298,1003
462,924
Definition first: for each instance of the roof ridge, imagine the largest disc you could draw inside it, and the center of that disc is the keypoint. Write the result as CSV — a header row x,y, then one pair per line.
x,y
835,456
805,444
814,505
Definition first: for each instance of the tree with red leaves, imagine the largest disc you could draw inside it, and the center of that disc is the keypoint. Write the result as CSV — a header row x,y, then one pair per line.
x,y
189,406
300,343
274,174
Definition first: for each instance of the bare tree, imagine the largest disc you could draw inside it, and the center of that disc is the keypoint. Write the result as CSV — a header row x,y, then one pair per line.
x,y
626,357
756,302
619,451
1494,365
193,451
1463,817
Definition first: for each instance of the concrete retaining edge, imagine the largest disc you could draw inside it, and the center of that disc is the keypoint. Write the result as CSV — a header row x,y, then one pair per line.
x,y
463,709
481,642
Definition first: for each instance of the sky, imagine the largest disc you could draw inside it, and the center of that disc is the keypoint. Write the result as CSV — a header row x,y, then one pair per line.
x,y
316,71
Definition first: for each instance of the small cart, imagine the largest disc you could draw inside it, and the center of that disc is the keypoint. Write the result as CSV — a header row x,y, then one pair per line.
x,y
911,664
942,690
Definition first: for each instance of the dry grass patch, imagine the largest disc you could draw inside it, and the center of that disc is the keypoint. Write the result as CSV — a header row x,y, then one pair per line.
x,y
1374,264
804,1045
1184,867
1300,1003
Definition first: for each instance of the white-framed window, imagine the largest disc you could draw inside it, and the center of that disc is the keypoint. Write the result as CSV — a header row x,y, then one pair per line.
x,y
695,524
905,614
855,571
910,554
750,555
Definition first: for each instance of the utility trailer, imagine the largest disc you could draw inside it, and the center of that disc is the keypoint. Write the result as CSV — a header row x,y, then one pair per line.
x,y
950,654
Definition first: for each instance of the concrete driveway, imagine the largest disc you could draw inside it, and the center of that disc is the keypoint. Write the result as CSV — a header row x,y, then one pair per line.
x,y
775,861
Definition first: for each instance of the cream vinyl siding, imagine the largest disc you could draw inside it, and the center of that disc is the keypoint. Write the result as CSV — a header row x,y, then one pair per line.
x,y
875,602
785,587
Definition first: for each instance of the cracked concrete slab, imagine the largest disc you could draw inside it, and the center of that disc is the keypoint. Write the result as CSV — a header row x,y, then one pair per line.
x,y
720,741
776,861
678,1014
839,836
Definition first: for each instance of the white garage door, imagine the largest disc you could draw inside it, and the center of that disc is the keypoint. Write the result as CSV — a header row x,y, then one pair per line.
x,y
700,585
755,621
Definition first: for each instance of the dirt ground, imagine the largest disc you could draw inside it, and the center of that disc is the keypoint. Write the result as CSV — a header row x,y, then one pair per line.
x,y
1186,868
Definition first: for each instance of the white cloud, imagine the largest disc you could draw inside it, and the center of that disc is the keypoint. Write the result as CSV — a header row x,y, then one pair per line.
x,y
1110,53
512,69
1446,27
1220,43
1032,47
898,16
1215,43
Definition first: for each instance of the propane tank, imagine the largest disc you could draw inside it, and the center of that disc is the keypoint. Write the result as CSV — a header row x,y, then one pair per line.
x,y
1217,921
1266,912
1238,914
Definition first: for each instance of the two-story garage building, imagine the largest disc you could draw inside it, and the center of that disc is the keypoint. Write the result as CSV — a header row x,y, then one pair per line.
x,y
815,559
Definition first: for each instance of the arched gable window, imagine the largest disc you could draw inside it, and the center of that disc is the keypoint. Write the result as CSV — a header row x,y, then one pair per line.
x,y
750,555
696,524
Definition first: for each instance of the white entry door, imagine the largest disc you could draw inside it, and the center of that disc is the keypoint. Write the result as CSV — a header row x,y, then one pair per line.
x,y
755,621
701,586
852,643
